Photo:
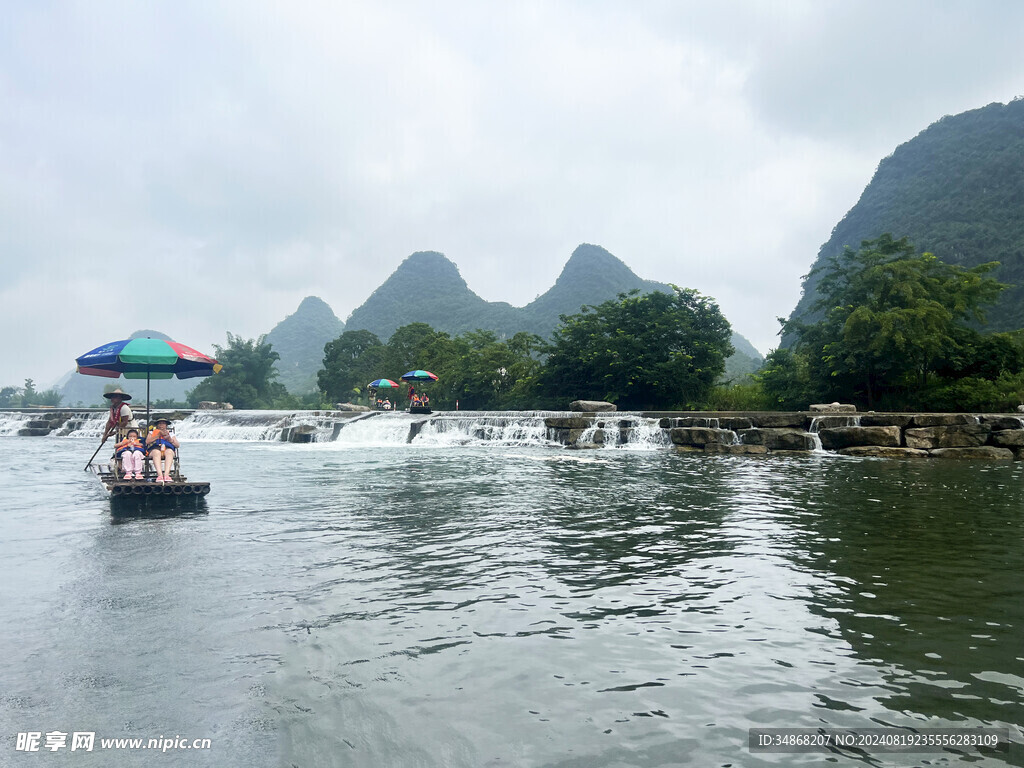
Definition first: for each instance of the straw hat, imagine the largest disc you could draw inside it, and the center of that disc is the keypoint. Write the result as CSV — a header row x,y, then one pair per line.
x,y
117,392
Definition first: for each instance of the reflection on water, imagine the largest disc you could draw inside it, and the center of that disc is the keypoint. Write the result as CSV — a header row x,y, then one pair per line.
x,y
516,606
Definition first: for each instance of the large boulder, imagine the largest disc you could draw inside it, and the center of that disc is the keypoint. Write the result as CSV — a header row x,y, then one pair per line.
x,y
209,405
943,419
735,423
883,452
741,450
351,407
1008,438
778,438
885,419
959,436
688,449
592,406
831,422
844,437
833,408
775,420
982,452
301,433
701,436
1002,422
569,422
567,430
692,421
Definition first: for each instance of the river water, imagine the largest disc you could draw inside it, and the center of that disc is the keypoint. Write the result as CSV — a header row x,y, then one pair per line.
x,y
389,604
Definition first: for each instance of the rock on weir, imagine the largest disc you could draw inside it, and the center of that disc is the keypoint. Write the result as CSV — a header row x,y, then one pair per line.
x,y
826,427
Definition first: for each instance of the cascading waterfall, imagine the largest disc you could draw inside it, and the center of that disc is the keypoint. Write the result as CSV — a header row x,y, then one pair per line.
x,y
625,431
80,424
470,428
12,422
829,422
376,429
234,426
344,429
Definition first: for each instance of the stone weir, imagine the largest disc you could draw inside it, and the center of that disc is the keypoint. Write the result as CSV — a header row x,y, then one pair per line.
x,y
889,435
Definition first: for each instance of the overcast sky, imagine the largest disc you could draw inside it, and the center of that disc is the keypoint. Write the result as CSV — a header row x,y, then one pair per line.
x,y
223,160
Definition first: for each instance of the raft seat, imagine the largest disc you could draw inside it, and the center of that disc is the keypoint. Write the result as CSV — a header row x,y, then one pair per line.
x,y
148,473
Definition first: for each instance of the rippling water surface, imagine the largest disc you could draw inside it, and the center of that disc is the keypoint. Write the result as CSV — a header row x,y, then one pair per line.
x,y
487,606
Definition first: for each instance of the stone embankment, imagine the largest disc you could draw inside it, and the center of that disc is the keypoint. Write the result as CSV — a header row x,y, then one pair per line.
x,y
920,435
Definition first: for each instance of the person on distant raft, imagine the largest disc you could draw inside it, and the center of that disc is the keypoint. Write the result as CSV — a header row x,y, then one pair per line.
x,y
162,445
121,417
412,393
132,452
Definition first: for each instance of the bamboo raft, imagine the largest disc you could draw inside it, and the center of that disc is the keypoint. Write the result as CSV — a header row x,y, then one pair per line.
x,y
146,489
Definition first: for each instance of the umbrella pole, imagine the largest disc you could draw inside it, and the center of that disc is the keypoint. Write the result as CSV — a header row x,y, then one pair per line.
x,y
147,398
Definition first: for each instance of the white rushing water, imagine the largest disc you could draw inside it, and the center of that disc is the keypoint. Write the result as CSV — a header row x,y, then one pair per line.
x,y
82,424
12,422
342,430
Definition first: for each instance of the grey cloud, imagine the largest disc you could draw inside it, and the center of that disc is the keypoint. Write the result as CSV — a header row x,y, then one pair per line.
x,y
255,154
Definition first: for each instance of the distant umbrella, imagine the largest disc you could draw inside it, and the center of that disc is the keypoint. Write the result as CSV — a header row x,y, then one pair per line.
x,y
383,384
419,376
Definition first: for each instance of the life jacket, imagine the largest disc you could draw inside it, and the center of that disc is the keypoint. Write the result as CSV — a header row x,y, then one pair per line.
x,y
115,414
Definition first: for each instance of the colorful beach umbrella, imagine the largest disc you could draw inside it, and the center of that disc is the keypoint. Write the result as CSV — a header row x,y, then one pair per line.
x,y
419,376
147,359
383,384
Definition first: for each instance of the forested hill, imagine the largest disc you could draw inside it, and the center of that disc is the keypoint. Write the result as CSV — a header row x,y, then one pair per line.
x,y
299,339
428,288
591,276
956,190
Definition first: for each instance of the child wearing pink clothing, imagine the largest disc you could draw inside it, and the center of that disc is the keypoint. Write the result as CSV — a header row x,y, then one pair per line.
x,y
132,453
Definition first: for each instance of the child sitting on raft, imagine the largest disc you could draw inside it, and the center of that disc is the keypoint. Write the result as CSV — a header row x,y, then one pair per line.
x,y
131,452
162,445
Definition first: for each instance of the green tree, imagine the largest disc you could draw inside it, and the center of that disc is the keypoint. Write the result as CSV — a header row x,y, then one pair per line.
x,y
984,355
785,381
482,372
406,348
8,396
28,394
349,365
656,350
247,380
49,397
888,315
475,370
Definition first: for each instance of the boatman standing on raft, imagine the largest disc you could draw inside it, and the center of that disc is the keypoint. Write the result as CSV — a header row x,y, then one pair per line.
x,y
121,417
